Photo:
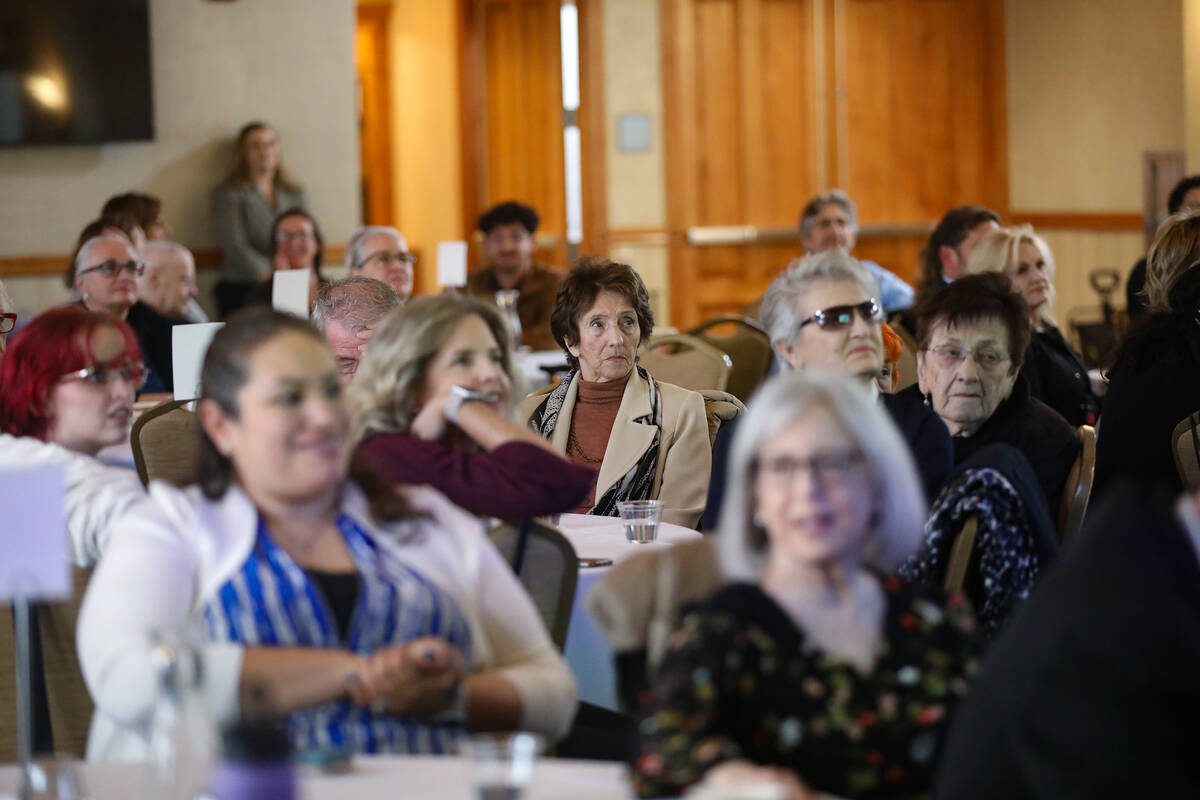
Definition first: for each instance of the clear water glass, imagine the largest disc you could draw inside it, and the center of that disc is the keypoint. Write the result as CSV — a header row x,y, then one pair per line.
x,y
640,519
502,763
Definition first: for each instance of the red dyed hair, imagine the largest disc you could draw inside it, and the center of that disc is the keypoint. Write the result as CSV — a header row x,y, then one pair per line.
x,y
54,343
892,348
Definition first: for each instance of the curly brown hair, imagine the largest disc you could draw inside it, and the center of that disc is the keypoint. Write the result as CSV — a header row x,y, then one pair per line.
x,y
578,292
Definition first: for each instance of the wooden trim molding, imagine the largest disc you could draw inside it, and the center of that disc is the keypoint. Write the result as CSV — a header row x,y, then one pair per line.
x,y
1078,220
56,264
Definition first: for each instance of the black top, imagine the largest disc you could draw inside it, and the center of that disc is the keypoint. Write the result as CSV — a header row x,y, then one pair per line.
x,y
922,429
740,680
154,337
1058,377
1135,304
341,594
1049,442
1091,690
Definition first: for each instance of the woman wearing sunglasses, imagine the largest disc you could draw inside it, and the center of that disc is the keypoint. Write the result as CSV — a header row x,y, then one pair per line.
x,y
823,312
69,378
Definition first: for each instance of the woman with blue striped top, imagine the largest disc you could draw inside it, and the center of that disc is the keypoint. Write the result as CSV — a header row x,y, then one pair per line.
x,y
375,619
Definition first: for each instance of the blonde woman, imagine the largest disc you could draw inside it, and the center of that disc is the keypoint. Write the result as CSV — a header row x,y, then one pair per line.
x,y
1056,373
431,403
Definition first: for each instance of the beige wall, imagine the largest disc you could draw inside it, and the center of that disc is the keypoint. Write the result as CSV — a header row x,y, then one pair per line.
x,y
1090,86
216,66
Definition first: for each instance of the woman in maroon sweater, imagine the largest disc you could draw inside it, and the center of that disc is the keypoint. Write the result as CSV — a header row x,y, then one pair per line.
x,y
431,402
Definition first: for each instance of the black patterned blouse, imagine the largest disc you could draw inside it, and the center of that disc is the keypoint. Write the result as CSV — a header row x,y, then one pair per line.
x,y
740,681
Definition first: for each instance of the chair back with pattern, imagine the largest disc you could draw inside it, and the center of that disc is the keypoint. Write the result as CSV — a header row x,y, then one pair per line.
x,y
1185,446
747,344
165,443
546,564
688,362
1077,491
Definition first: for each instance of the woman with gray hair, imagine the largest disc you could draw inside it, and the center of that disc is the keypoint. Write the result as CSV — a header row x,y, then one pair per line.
x,y
823,312
811,664
431,405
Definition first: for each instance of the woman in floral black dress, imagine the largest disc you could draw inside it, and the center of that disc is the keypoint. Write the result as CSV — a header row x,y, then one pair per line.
x,y
811,669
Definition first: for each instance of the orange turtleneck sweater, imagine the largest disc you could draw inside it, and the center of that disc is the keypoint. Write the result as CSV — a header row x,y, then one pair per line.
x,y
596,407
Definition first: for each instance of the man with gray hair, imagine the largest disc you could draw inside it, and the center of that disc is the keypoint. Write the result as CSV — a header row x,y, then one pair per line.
x,y
381,252
830,221
346,312
168,284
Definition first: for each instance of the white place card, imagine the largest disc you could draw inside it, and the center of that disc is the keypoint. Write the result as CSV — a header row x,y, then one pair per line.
x,y
289,292
35,557
452,264
189,343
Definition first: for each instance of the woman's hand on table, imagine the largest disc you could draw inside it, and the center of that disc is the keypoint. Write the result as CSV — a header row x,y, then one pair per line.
x,y
412,680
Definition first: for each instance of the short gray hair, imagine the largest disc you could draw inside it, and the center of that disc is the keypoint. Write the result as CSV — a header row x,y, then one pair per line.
x,y
356,301
781,304
818,203
899,518
158,248
85,249
354,254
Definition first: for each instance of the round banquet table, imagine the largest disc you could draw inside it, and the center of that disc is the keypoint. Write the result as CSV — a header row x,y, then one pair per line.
x,y
587,653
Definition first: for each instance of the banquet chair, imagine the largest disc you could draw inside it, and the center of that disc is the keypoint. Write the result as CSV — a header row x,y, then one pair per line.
x,y
545,563
1185,446
165,440
960,556
60,691
636,606
747,344
720,408
687,361
1078,488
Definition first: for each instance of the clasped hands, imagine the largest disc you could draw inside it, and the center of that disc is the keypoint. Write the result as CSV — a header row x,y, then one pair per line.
x,y
414,679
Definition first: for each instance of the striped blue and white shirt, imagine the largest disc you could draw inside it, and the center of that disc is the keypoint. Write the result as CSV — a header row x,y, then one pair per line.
x,y
270,601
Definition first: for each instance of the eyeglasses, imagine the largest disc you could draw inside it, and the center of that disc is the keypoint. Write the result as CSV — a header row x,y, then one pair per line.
x,y
782,470
835,318
113,268
105,375
986,359
294,236
8,321
387,258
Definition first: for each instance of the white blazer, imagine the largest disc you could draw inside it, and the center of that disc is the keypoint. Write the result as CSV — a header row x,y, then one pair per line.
x,y
172,553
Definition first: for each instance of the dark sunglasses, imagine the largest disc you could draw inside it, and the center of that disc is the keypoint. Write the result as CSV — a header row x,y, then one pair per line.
x,y
112,268
837,317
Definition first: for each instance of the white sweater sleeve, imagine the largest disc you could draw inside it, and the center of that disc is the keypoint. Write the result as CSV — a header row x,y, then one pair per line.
x,y
521,649
146,586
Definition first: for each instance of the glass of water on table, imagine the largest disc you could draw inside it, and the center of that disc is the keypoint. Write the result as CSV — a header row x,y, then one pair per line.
x,y
640,519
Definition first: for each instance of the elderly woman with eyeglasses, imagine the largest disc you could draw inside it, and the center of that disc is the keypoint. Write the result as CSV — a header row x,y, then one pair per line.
x,y
381,252
811,670
69,378
823,312
972,337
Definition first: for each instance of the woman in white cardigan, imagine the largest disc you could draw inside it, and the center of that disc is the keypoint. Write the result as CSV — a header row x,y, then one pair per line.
x,y
373,619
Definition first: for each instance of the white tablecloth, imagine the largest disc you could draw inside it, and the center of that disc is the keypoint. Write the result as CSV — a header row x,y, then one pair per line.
x,y
529,365
587,652
384,777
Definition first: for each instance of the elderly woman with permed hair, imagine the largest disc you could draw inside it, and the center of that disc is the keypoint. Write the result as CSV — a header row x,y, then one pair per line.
x,y
812,668
648,438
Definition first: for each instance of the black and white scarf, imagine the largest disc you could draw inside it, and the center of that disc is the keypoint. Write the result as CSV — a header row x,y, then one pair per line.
x,y
638,482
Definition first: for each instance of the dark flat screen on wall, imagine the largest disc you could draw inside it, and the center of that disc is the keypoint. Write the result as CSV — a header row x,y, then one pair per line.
x,y
75,72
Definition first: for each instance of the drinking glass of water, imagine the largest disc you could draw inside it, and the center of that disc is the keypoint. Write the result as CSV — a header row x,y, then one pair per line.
x,y
503,763
640,519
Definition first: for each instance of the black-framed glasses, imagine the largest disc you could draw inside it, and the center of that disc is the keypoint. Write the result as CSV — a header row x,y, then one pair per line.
x,y
8,321
294,236
112,268
837,317
388,257
105,375
782,470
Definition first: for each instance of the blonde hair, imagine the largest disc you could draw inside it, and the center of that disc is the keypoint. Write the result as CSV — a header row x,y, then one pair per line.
x,y
998,252
899,500
1175,251
387,388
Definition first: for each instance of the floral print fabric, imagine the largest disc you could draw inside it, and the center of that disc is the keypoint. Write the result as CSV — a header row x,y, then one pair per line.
x,y
740,680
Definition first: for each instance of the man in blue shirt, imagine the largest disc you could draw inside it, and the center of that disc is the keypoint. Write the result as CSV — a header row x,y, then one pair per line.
x,y
830,220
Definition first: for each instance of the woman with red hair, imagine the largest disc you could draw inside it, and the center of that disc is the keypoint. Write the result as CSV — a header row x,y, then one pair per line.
x,y
68,380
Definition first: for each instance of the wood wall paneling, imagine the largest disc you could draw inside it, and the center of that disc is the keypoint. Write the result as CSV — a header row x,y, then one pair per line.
x,y
375,136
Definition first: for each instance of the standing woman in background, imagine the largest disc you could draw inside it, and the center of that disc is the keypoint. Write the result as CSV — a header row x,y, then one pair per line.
x,y
1056,373
244,208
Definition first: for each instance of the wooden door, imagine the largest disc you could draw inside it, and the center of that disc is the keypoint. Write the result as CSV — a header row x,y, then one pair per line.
x,y
899,102
513,117
375,137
